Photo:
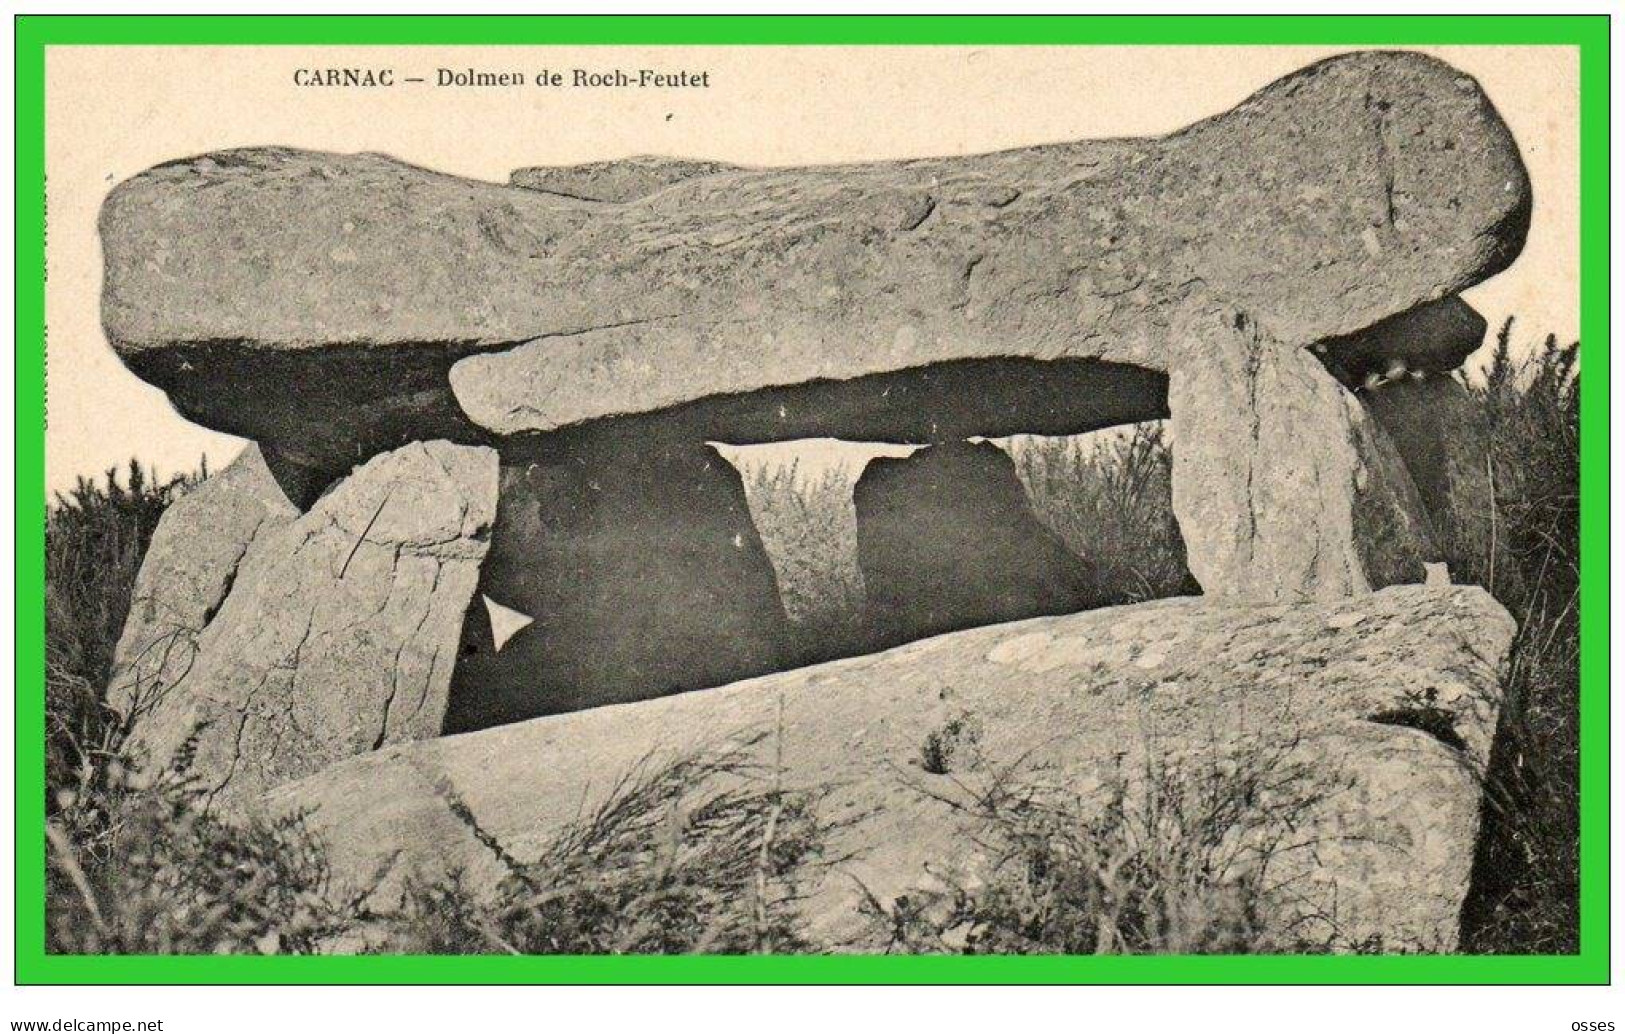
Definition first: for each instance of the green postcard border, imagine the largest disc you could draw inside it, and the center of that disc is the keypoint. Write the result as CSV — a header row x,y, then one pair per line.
x,y
34,33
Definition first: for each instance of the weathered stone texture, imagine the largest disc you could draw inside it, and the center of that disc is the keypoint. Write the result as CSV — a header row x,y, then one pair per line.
x,y
339,632
1383,706
335,306
187,571
1353,190
620,180
1283,486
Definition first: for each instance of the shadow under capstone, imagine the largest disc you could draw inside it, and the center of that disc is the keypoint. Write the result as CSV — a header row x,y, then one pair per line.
x,y
640,570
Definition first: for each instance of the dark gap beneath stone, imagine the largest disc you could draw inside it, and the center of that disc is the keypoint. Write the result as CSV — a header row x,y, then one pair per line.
x,y
1435,721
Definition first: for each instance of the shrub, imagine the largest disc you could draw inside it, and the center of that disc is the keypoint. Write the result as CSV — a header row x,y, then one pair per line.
x,y
153,870
1525,895
1111,500
810,534
95,537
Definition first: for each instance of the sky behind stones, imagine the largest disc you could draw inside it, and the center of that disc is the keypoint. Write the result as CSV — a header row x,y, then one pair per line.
x,y
112,112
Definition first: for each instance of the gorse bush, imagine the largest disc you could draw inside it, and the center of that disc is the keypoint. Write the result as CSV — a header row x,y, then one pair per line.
x,y
1525,894
1530,413
95,537
158,872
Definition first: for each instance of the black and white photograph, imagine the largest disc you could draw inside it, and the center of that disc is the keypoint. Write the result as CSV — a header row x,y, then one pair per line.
x,y
954,500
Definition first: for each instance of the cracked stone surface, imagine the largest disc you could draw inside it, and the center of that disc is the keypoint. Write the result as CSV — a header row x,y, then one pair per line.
x,y
1342,693
339,631
1284,486
947,539
262,288
188,569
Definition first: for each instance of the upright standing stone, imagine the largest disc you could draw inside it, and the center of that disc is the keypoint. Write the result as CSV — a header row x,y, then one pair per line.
x,y
1444,437
339,633
947,539
189,567
641,570
1283,486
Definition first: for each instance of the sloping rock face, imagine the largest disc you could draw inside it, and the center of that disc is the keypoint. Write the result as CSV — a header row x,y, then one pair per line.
x,y
188,570
1444,437
1383,707
340,628
642,571
947,539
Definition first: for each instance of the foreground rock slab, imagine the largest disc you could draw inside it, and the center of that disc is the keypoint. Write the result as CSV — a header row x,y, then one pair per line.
x,y
339,631
1386,703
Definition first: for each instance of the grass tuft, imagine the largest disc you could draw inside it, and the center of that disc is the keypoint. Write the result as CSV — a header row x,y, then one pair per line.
x,y
705,853
1178,859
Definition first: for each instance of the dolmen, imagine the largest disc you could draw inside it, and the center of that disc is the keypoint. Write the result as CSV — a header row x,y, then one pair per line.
x,y
482,487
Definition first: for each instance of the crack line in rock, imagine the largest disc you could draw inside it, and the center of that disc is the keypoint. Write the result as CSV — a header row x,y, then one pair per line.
x,y
363,536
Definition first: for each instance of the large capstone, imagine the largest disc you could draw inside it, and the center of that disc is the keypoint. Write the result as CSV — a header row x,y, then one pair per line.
x,y
332,307
265,289
640,574
947,539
